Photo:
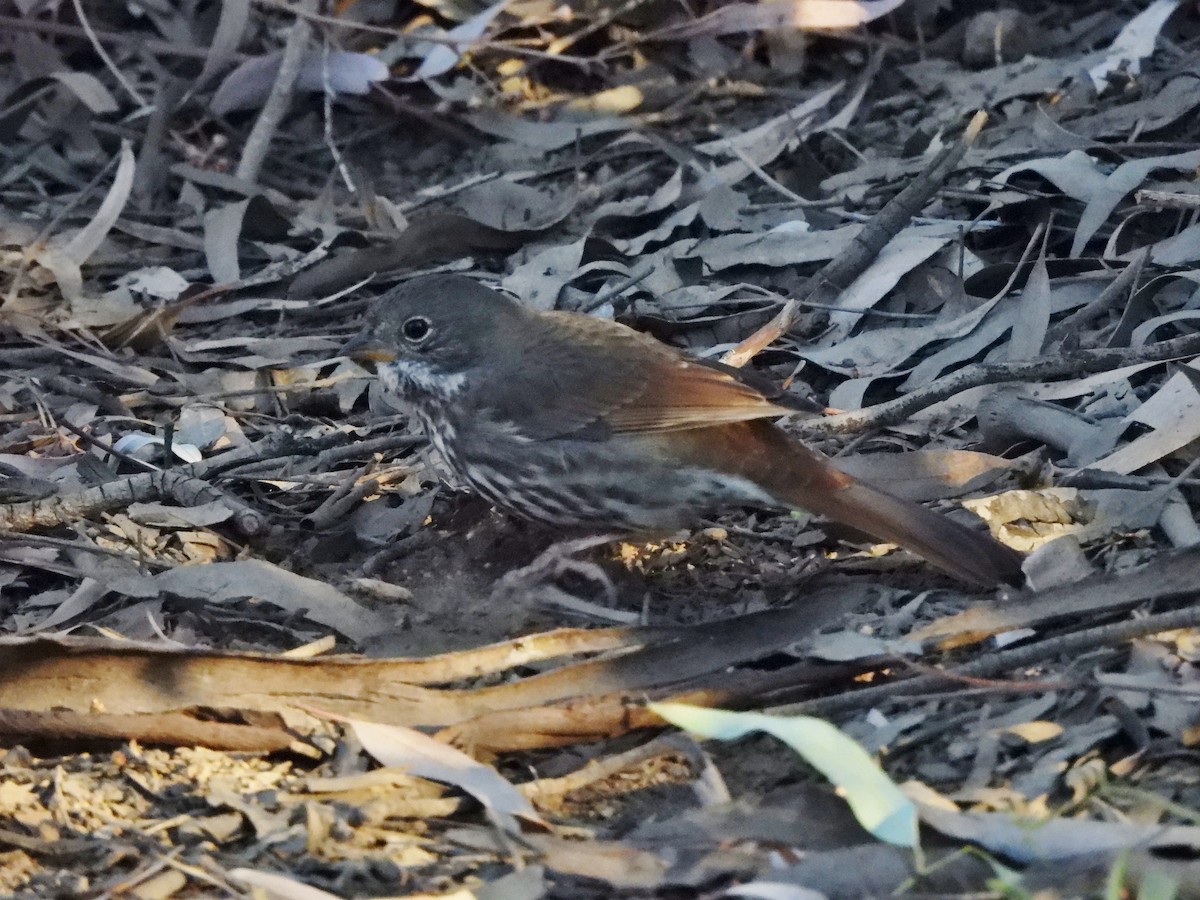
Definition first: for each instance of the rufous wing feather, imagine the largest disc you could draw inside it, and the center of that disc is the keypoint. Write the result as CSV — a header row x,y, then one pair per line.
x,y
610,376
681,395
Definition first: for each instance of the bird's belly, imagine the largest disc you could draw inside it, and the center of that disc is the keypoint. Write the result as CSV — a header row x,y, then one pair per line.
x,y
613,484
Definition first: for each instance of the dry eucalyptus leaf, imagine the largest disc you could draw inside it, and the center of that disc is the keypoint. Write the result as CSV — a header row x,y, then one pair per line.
x,y
1034,732
1026,519
252,579
1135,42
66,255
339,71
420,755
1173,414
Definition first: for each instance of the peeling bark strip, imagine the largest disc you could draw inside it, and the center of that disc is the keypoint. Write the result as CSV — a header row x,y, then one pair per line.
x,y
124,688
25,726
121,678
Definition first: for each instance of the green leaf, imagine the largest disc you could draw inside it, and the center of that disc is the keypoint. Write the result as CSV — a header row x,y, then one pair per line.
x,y
1158,885
874,798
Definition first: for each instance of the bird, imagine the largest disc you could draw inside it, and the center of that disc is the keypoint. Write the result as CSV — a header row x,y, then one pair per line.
x,y
586,424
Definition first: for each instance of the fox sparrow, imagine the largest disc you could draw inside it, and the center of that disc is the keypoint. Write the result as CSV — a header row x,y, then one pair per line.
x,y
583,422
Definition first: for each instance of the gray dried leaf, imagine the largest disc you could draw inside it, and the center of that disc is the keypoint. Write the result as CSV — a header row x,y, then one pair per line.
x,y
339,71
884,350
792,243
1124,179
544,136
418,754
274,886
124,372
222,582
663,232
528,883
903,253
159,515
135,444
773,890
1177,250
1030,77
381,522
65,257
203,426
1175,101
442,57
512,206
666,194
87,594
1054,838
927,474
231,25
160,282
1033,313
1177,520
1134,43
222,229
1142,334
1173,414
1075,174
764,142
1057,562
844,646
89,90
539,281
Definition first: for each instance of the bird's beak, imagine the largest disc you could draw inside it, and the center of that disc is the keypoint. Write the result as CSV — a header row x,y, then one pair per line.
x,y
364,347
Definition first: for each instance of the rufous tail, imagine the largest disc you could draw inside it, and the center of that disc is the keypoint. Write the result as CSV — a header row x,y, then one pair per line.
x,y
973,556
797,476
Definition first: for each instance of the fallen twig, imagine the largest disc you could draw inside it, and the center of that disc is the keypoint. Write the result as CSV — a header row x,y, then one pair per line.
x,y
997,662
1071,365
258,142
836,275
180,485
188,485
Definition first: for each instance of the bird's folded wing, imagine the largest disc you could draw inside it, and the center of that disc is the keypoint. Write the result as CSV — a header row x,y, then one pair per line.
x,y
689,394
602,378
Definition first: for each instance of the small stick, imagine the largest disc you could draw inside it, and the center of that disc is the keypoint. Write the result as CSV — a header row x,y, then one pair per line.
x,y
1113,293
259,141
1082,362
997,662
836,275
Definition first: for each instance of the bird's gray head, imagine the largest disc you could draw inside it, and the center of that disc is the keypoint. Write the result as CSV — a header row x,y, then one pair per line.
x,y
428,336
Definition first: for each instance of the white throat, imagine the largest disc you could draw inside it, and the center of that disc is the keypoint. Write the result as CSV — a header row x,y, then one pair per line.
x,y
414,379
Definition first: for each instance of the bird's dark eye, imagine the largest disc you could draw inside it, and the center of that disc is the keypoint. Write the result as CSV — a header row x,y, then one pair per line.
x,y
416,329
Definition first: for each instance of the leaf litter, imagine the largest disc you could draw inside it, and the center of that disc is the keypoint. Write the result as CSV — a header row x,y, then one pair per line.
x,y
201,501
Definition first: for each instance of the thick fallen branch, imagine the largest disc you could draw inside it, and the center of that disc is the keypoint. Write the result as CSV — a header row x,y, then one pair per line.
x,y
1172,577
